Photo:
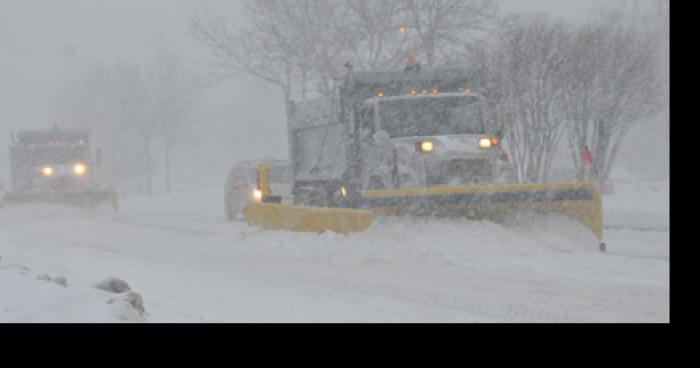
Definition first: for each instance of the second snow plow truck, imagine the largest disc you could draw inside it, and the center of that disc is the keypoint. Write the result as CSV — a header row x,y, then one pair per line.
x,y
55,166
407,142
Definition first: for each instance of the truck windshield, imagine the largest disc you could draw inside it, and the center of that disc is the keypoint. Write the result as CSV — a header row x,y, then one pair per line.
x,y
431,116
57,154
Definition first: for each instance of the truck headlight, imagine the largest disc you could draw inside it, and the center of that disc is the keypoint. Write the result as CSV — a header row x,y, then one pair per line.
x,y
47,171
257,195
425,147
485,143
79,169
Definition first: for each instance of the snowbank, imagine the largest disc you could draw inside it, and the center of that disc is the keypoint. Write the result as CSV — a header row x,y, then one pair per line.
x,y
31,298
191,265
639,206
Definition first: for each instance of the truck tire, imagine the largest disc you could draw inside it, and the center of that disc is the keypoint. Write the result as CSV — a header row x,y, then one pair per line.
x,y
230,215
376,183
235,201
315,196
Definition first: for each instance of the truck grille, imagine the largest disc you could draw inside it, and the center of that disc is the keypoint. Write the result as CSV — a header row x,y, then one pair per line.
x,y
459,172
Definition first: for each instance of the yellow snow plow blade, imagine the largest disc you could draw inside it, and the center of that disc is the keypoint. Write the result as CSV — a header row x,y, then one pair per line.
x,y
307,219
579,201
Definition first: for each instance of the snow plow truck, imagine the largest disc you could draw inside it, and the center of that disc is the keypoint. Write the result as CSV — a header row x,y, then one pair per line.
x,y
56,166
404,143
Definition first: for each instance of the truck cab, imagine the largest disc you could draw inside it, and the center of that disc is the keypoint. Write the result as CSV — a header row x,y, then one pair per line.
x,y
56,165
400,129
427,139
52,159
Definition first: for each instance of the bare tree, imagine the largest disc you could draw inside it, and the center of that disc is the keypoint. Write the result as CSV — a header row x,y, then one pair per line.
x,y
617,83
113,101
131,110
442,25
290,44
302,45
241,51
380,37
172,89
522,77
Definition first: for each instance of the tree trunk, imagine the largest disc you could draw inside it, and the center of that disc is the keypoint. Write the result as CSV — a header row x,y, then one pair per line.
x,y
167,168
149,169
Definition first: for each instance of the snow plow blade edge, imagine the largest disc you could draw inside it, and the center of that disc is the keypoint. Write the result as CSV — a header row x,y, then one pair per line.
x,y
307,219
579,201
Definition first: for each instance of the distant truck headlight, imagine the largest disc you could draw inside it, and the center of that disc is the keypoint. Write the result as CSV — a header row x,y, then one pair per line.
x,y
485,143
425,147
79,169
47,171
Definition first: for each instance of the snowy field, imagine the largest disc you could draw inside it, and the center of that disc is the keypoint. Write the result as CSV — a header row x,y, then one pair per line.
x,y
184,263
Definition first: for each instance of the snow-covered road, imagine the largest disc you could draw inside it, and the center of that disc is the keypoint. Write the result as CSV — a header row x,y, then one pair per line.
x,y
190,265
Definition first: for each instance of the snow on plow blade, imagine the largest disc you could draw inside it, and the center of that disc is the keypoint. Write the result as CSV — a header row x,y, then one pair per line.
x,y
271,216
581,202
78,198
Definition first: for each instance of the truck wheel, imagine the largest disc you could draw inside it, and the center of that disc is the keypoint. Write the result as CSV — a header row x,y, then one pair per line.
x,y
312,196
234,203
376,183
229,211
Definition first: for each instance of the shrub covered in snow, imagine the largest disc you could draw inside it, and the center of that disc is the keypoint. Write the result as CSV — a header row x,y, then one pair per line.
x,y
114,285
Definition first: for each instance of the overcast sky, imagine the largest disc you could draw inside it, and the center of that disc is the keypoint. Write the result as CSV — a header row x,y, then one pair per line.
x,y
43,41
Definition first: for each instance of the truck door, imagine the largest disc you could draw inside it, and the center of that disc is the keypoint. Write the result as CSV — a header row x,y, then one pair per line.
x,y
375,159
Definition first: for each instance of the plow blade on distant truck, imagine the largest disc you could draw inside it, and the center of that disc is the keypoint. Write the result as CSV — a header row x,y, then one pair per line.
x,y
79,198
580,202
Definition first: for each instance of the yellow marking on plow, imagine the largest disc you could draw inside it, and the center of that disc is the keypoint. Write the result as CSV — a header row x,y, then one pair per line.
x,y
481,188
588,212
271,216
